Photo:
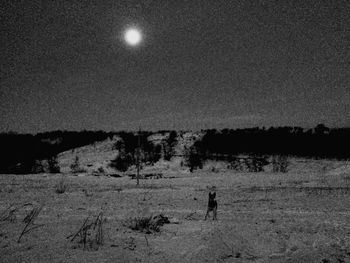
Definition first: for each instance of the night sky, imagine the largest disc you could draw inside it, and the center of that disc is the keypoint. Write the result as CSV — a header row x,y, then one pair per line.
x,y
202,64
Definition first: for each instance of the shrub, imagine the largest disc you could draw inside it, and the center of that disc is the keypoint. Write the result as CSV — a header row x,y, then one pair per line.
x,y
168,146
61,186
53,165
75,166
256,163
280,163
193,158
236,164
122,162
101,170
147,224
38,167
252,163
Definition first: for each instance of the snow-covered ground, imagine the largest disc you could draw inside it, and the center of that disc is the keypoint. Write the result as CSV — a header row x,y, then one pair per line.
x,y
299,216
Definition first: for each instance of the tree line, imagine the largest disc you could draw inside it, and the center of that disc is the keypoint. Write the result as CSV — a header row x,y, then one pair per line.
x,y
20,152
319,142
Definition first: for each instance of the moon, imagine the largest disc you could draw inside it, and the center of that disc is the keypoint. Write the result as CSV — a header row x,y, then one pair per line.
x,y
133,36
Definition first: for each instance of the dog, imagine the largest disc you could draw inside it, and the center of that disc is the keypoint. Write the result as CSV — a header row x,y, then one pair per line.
x,y
212,204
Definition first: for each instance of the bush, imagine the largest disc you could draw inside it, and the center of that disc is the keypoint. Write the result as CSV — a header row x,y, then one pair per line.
x,y
256,163
280,163
193,158
38,167
252,164
75,166
236,164
53,165
147,224
61,186
122,162
101,170
168,146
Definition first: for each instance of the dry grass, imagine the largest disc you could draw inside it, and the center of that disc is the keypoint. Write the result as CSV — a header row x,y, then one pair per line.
x,y
90,234
9,214
29,221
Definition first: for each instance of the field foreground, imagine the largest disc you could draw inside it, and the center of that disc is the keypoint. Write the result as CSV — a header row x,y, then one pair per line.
x,y
300,216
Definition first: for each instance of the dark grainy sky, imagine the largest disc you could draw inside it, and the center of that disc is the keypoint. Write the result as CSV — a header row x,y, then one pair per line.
x,y
202,64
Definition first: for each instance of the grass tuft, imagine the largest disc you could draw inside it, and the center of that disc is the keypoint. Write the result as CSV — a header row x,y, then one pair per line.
x,y
61,186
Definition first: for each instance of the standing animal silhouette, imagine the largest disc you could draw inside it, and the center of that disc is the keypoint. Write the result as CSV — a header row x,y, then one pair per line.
x,y
212,204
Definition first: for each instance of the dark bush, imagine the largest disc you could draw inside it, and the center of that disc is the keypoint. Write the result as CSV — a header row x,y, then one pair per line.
x,y
280,163
53,165
168,146
147,224
236,164
122,162
248,164
76,167
38,167
256,163
193,158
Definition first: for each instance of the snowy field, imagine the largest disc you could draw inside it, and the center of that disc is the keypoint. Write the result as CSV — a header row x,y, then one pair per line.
x,y
299,216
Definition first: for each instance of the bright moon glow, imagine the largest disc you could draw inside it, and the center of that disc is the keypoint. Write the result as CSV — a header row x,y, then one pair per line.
x,y
132,36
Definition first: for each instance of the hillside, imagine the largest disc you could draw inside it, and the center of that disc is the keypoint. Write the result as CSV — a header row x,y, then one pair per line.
x,y
99,154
